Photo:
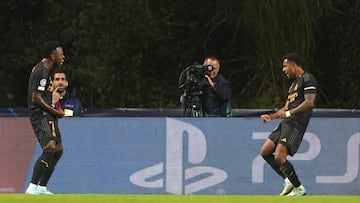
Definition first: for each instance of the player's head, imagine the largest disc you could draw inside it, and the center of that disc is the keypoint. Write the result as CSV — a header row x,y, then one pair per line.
x,y
295,58
53,50
59,79
291,63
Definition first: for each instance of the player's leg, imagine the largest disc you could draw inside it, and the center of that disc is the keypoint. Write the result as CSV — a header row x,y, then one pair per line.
x,y
56,157
47,174
44,130
42,165
289,143
281,153
285,166
267,151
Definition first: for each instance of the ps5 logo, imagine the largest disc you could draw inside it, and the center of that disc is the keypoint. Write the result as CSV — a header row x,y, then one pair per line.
x,y
175,178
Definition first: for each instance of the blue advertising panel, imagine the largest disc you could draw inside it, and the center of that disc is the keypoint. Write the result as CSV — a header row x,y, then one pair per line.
x,y
199,156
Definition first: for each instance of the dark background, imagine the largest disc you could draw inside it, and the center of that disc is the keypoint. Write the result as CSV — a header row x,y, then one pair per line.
x,y
130,53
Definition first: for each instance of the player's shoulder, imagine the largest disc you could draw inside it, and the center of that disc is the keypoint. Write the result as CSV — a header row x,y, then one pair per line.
x,y
38,68
308,77
310,82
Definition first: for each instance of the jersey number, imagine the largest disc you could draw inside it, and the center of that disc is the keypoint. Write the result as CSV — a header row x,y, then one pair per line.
x,y
52,125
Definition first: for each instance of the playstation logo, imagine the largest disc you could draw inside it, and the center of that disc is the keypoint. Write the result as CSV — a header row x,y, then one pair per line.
x,y
172,174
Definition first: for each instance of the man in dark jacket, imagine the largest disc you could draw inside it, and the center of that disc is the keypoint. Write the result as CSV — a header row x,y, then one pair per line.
x,y
216,100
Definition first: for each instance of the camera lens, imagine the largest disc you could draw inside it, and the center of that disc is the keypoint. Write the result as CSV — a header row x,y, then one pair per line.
x,y
210,68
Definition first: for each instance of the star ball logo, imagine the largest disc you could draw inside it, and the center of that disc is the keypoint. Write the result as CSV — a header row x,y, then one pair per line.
x,y
175,175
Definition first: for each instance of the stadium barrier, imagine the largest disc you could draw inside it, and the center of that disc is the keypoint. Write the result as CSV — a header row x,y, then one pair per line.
x,y
176,155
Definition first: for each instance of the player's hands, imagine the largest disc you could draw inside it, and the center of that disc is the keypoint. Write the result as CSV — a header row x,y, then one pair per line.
x,y
265,118
268,117
282,114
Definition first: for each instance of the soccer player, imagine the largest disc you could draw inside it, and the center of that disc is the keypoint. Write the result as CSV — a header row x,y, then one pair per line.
x,y
42,98
287,136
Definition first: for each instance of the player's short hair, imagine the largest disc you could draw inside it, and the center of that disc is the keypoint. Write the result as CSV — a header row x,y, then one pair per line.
x,y
49,47
294,57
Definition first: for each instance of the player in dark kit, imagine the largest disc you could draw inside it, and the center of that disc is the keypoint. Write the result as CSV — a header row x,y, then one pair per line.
x,y
287,136
42,98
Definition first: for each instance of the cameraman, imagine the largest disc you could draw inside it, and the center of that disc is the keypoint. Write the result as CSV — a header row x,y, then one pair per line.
x,y
215,98
216,101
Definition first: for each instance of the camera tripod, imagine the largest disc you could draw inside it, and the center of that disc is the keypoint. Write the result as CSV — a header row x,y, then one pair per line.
x,y
192,107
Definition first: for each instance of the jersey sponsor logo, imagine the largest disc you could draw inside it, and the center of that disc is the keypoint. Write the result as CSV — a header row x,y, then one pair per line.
x,y
292,97
175,178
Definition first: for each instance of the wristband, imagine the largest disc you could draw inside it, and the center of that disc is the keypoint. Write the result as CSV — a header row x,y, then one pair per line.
x,y
53,106
287,113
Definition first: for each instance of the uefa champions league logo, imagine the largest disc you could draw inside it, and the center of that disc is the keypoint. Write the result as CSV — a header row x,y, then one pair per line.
x,y
173,169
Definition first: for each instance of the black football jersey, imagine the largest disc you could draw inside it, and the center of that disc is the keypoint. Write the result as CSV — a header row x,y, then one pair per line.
x,y
306,84
39,81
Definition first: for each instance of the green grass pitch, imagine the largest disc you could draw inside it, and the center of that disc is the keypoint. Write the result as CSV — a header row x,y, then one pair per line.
x,y
102,198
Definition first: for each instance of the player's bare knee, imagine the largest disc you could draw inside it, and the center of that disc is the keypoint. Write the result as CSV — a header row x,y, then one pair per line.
x,y
50,144
264,153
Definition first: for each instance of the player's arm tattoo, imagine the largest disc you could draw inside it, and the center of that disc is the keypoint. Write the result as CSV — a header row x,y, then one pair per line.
x,y
308,104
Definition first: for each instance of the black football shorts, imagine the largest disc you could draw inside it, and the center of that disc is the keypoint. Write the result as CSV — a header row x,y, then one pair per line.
x,y
289,133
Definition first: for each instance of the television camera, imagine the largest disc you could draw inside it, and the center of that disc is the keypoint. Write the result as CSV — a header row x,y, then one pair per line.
x,y
192,82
